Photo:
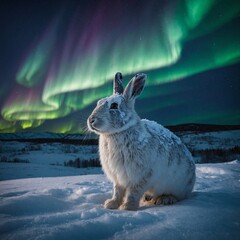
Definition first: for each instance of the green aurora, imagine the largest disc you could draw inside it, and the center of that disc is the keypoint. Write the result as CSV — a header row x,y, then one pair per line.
x,y
69,68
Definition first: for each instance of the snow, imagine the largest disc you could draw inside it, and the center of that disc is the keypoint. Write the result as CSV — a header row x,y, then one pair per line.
x,y
72,208
161,131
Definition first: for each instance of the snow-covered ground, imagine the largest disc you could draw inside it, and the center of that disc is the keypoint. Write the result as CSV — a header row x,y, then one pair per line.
x,y
71,208
24,159
40,198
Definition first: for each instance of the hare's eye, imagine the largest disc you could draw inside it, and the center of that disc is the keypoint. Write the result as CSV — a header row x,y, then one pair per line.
x,y
114,106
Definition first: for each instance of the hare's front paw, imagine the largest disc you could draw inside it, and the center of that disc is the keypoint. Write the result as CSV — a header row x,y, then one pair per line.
x,y
111,204
129,206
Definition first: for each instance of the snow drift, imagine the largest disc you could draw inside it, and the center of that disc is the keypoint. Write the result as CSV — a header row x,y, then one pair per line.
x,y
71,208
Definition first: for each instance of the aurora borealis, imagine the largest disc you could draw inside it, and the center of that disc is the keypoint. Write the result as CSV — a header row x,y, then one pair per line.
x,y
60,57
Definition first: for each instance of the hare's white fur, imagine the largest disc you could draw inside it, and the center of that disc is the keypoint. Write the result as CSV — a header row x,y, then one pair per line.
x,y
139,156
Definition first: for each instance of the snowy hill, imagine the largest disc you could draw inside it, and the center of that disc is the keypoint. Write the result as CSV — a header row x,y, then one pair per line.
x,y
71,208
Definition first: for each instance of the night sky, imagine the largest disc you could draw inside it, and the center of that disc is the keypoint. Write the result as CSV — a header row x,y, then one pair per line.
x,y
57,58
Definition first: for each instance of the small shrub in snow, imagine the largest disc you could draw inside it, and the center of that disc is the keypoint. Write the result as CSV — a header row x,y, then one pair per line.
x,y
34,147
77,163
31,147
94,149
67,148
24,150
217,155
17,160
14,160
3,159
56,164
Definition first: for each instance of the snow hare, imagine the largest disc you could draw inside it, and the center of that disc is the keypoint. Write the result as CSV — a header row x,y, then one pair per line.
x,y
142,159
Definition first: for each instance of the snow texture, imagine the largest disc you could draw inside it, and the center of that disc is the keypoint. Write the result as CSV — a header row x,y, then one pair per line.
x,y
71,208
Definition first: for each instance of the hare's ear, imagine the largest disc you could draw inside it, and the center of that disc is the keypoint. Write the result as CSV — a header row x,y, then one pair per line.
x,y
134,87
118,84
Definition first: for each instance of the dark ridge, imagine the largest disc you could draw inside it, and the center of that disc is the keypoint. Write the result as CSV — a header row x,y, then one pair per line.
x,y
48,137
54,140
198,128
